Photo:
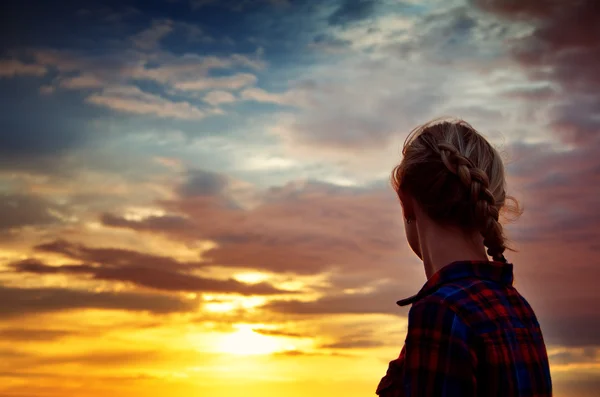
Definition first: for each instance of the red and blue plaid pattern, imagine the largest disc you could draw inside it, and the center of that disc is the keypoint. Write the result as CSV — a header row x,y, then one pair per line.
x,y
470,333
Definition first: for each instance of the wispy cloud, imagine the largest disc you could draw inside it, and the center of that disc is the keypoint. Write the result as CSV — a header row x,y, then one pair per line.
x,y
81,82
232,82
131,99
217,98
13,67
151,277
25,301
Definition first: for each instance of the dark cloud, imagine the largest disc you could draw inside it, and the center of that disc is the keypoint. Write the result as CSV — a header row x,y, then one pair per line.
x,y
29,335
17,210
303,353
562,48
556,236
571,356
15,302
455,36
203,183
113,257
278,332
549,275
350,11
160,279
307,228
101,358
560,191
161,273
353,343
580,385
303,228
163,223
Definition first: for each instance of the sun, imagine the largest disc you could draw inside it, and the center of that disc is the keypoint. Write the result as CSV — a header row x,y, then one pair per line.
x,y
244,341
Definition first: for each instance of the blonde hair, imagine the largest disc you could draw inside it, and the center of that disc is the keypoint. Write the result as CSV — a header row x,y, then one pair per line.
x,y
458,179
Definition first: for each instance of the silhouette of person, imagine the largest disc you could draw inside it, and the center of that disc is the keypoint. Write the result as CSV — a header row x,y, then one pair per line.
x,y
470,332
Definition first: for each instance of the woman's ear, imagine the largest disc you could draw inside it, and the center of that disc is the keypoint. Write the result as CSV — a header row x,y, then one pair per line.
x,y
408,208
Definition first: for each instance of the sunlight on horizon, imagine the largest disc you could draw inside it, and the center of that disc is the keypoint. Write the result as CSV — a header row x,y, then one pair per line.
x,y
245,341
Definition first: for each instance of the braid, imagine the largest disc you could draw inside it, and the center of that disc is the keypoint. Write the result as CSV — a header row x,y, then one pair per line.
x,y
486,211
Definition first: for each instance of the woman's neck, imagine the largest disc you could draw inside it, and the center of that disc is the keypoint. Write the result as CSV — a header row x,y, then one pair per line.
x,y
441,246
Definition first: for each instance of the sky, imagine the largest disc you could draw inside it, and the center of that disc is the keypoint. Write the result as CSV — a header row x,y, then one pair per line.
x,y
195,194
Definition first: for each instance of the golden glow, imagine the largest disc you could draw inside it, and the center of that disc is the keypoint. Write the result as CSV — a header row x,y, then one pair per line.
x,y
219,307
221,303
251,277
244,341
141,213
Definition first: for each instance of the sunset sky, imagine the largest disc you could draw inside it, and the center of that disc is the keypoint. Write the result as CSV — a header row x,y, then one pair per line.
x,y
196,200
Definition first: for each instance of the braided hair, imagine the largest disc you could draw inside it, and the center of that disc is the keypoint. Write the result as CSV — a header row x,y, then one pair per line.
x,y
458,178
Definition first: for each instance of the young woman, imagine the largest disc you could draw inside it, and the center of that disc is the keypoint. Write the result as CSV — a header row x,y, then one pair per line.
x,y
470,333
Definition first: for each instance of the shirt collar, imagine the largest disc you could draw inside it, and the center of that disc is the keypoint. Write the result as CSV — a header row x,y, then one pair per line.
x,y
490,270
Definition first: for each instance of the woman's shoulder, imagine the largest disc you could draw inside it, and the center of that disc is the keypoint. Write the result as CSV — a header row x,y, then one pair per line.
x,y
480,305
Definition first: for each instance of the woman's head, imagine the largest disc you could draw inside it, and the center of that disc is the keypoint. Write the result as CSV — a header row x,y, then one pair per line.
x,y
456,178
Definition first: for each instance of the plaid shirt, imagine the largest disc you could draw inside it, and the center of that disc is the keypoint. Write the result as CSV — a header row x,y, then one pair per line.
x,y
470,333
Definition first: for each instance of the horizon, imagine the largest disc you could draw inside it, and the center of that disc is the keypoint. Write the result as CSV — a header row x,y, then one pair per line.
x,y
196,197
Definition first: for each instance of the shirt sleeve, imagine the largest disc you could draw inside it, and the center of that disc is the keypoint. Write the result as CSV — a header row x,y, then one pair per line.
x,y
391,384
440,358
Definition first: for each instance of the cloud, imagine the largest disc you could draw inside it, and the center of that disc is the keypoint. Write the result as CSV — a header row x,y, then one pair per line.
x,y
304,353
165,223
16,302
556,237
103,358
575,356
345,117
172,69
151,277
560,48
395,74
147,270
113,257
232,82
277,332
27,210
304,228
570,179
62,60
81,82
290,98
131,99
193,69
150,38
328,43
353,344
47,90
12,67
566,328
203,183
28,335
217,98
350,11
353,234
